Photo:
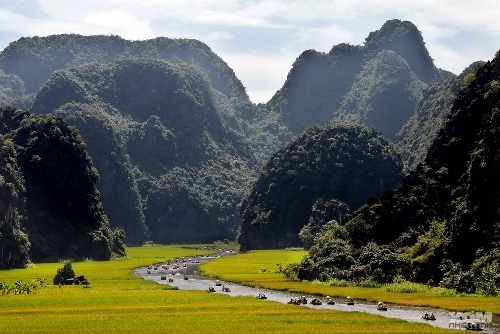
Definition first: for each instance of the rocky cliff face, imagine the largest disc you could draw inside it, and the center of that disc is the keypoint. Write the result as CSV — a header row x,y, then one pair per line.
x,y
377,84
50,204
173,152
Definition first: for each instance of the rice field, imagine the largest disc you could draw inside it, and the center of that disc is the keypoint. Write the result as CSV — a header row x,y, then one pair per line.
x,y
259,268
119,302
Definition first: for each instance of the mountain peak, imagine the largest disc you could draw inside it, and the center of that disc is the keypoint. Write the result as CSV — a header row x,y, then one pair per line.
x,y
392,29
404,38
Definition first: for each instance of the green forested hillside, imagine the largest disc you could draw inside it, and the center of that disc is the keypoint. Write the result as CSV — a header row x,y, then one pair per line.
x,y
442,225
418,133
377,84
175,154
383,94
34,59
333,168
50,207
179,147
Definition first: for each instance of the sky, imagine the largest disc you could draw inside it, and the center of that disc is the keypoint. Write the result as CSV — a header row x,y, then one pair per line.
x,y
260,39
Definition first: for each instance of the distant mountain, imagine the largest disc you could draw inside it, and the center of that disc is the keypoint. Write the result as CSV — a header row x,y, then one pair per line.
x,y
377,84
50,206
11,86
442,224
34,59
174,144
383,94
175,155
344,162
418,133
177,142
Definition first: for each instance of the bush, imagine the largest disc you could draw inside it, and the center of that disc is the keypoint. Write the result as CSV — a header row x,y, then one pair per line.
x,y
460,281
118,242
291,272
488,283
64,273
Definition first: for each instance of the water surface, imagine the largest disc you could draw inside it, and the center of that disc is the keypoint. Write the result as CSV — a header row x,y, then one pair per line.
x,y
183,272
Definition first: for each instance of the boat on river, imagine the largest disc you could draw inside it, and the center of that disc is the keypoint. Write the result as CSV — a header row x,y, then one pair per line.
x,y
381,306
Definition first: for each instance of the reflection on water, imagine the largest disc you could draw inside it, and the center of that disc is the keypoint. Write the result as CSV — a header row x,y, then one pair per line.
x,y
183,274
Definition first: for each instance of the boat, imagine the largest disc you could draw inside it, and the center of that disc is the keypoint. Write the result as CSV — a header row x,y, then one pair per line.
x,y
381,306
315,301
349,301
473,327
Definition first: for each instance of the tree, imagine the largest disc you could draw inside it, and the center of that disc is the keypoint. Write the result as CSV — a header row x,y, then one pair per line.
x,y
64,273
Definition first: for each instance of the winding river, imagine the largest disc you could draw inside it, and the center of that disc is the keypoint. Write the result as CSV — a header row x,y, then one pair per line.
x,y
183,272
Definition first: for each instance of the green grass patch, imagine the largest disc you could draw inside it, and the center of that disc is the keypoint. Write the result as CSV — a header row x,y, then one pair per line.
x,y
245,269
119,302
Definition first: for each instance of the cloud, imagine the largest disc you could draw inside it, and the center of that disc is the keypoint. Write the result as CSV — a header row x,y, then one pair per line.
x,y
29,26
318,38
260,39
219,35
260,74
120,23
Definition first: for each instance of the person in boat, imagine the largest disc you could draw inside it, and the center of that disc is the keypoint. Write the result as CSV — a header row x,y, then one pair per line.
x,y
428,316
316,301
381,306
473,327
350,301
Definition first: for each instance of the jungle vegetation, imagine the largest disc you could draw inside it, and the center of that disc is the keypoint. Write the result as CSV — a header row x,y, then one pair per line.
x,y
50,206
441,226
379,163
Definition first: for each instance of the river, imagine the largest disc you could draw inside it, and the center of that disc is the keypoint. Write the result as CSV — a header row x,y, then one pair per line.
x,y
185,277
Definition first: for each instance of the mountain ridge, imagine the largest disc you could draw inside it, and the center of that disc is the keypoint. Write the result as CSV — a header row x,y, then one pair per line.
x,y
319,83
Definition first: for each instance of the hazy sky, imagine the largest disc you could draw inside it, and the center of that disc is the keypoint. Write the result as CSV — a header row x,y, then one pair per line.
x,y
260,39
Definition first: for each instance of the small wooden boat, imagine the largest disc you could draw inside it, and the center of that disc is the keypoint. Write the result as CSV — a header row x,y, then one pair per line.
x,y
315,301
381,306
473,327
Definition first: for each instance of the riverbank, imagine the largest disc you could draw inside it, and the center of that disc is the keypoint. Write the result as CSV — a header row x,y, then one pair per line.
x,y
182,274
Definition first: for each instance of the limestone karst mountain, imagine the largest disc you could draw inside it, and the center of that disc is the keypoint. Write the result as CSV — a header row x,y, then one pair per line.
x,y
360,83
